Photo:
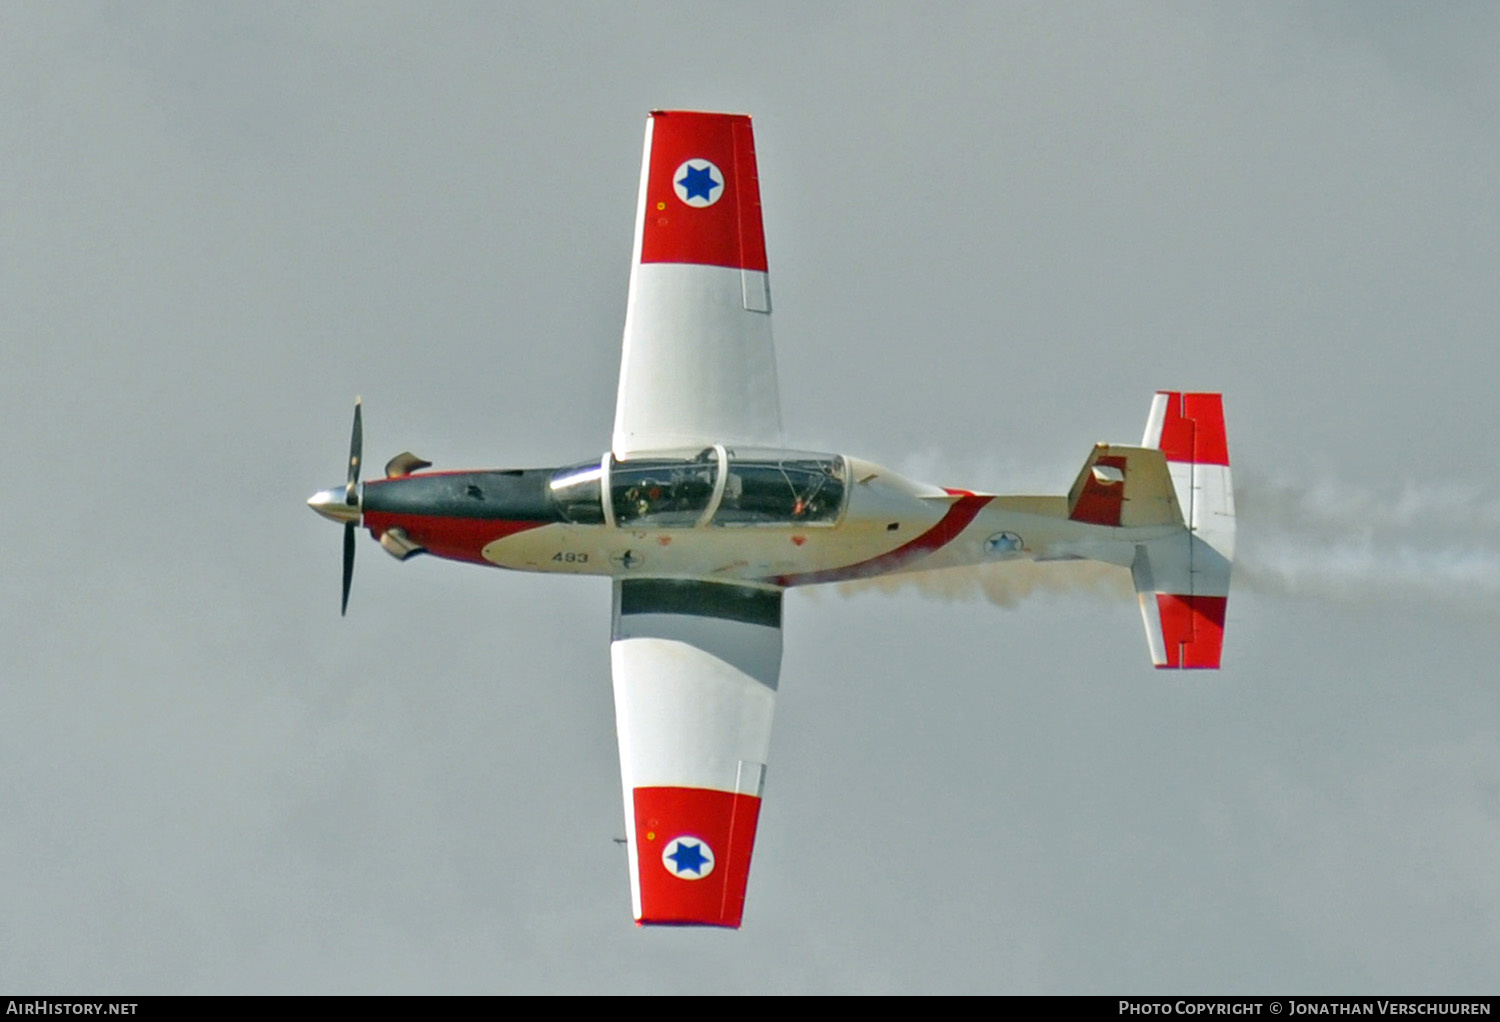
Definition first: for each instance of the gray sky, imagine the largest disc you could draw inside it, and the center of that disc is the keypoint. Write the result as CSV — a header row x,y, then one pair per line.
x,y
993,230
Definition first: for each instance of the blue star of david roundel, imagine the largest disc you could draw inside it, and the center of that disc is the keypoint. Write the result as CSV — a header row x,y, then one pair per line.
x,y
688,858
1004,544
698,183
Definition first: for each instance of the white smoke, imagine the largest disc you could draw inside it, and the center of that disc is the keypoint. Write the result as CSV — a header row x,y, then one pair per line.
x,y
1005,584
1335,541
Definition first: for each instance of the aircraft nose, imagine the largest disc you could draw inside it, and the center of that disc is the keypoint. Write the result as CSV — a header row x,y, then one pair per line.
x,y
331,505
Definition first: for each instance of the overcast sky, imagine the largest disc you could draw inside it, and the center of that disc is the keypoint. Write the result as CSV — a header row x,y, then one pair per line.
x,y
994,230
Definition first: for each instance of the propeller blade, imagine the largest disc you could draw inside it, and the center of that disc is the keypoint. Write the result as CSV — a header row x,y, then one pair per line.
x,y
356,449
348,566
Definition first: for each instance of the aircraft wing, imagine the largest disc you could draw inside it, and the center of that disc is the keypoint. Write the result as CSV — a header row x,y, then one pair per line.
x,y
695,669
698,366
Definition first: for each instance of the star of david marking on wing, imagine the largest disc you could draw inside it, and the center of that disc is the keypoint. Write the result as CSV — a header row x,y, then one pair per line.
x,y
698,183
688,858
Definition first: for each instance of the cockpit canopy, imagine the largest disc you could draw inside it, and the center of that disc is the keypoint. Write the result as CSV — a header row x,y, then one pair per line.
x,y
782,488
717,487
663,493
575,492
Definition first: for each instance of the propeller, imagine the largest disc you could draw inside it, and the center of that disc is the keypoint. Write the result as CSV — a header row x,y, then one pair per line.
x,y
343,504
351,498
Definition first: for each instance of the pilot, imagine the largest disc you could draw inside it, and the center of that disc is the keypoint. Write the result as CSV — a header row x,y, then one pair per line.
x,y
734,489
644,496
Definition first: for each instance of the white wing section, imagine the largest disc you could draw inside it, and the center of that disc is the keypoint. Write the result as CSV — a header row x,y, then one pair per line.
x,y
695,672
698,365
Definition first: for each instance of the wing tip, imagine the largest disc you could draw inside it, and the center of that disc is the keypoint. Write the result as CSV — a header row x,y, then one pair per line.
x,y
715,924
699,113
693,855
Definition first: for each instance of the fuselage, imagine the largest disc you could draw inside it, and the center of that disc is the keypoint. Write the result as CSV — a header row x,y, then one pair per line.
x,y
777,518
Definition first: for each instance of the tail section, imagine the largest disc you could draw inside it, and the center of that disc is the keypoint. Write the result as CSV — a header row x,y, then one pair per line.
x,y
1183,580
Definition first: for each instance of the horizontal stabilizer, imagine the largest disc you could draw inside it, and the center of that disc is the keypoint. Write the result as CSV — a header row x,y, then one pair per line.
x,y
1183,580
1188,428
1184,631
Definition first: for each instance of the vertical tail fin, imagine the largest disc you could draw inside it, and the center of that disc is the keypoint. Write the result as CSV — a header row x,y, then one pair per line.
x,y
1183,581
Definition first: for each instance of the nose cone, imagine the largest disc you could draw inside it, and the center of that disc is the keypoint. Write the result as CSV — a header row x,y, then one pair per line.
x,y
332,505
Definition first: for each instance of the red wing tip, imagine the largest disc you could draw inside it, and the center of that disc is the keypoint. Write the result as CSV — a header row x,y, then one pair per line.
x,y
711,215
693,855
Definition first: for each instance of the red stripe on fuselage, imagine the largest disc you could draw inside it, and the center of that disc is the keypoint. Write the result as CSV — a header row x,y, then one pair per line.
x,y
963,511
728,232
458,539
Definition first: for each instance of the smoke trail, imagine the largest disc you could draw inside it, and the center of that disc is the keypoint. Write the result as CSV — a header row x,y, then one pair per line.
x,y
1437,545
1004,584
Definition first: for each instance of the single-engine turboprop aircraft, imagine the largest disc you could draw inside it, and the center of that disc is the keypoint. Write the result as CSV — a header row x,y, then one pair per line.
x,y
703,520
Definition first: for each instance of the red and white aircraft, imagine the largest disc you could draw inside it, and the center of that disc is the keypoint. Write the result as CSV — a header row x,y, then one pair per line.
x,y
703,519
